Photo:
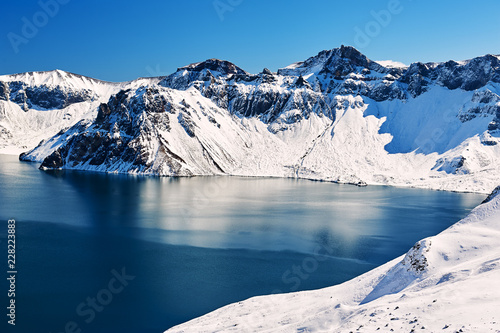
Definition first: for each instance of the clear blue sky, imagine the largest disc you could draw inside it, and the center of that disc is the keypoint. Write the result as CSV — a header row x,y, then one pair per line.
x,y
123,40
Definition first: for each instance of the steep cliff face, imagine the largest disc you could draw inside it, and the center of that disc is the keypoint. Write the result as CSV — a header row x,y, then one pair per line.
x,y
336,116
118,135
148,130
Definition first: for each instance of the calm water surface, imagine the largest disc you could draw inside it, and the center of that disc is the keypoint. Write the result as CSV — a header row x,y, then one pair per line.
x,y
195,244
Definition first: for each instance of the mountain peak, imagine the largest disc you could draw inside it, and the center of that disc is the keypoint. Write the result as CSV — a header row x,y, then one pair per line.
x,y
349,52
222,66
54,77
341,60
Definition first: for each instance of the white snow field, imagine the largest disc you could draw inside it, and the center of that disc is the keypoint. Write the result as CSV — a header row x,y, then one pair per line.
x,y
446,283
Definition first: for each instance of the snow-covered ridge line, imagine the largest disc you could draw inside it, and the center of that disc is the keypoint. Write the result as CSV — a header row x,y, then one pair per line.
x,y
445,282
40,77
337,116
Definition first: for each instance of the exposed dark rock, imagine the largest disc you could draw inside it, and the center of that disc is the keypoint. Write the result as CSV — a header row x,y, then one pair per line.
x,y
415,259
460,162
492,195
267,71
302,83
4,91
44,97
489,142
470,76
53,161
494,125
102,112
187,123
222,66
485,97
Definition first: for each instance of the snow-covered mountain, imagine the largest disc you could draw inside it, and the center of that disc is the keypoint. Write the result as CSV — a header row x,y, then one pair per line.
x,y
37,105
337,116
445,283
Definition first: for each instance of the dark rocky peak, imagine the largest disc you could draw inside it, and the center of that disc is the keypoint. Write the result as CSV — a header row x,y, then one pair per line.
x,y
347,59
43,96
244,78
353,55
417,76
208,71
495,193
417,68
266,76
267,71
214,65
208,76
468,75
308,66
338,62
119,98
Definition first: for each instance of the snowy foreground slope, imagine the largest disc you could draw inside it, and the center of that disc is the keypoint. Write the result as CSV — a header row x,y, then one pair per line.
x,y
337,116
446,283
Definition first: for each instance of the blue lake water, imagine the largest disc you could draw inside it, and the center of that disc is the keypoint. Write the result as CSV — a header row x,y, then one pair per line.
x,y
193,244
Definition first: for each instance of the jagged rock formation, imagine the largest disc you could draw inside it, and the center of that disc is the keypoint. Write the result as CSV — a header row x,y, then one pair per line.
x,y
121,136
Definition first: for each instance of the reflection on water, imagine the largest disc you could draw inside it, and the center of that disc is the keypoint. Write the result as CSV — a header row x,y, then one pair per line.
x,y
231,212
199,243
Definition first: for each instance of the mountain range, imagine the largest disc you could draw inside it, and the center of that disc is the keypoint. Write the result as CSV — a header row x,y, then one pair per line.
x,y
337,116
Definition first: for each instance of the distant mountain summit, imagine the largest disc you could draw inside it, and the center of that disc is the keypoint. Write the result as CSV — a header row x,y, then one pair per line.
x,y
336,116
340,62
214,65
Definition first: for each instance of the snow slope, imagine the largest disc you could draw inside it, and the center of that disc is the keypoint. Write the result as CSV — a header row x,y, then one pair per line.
x,y
447,283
